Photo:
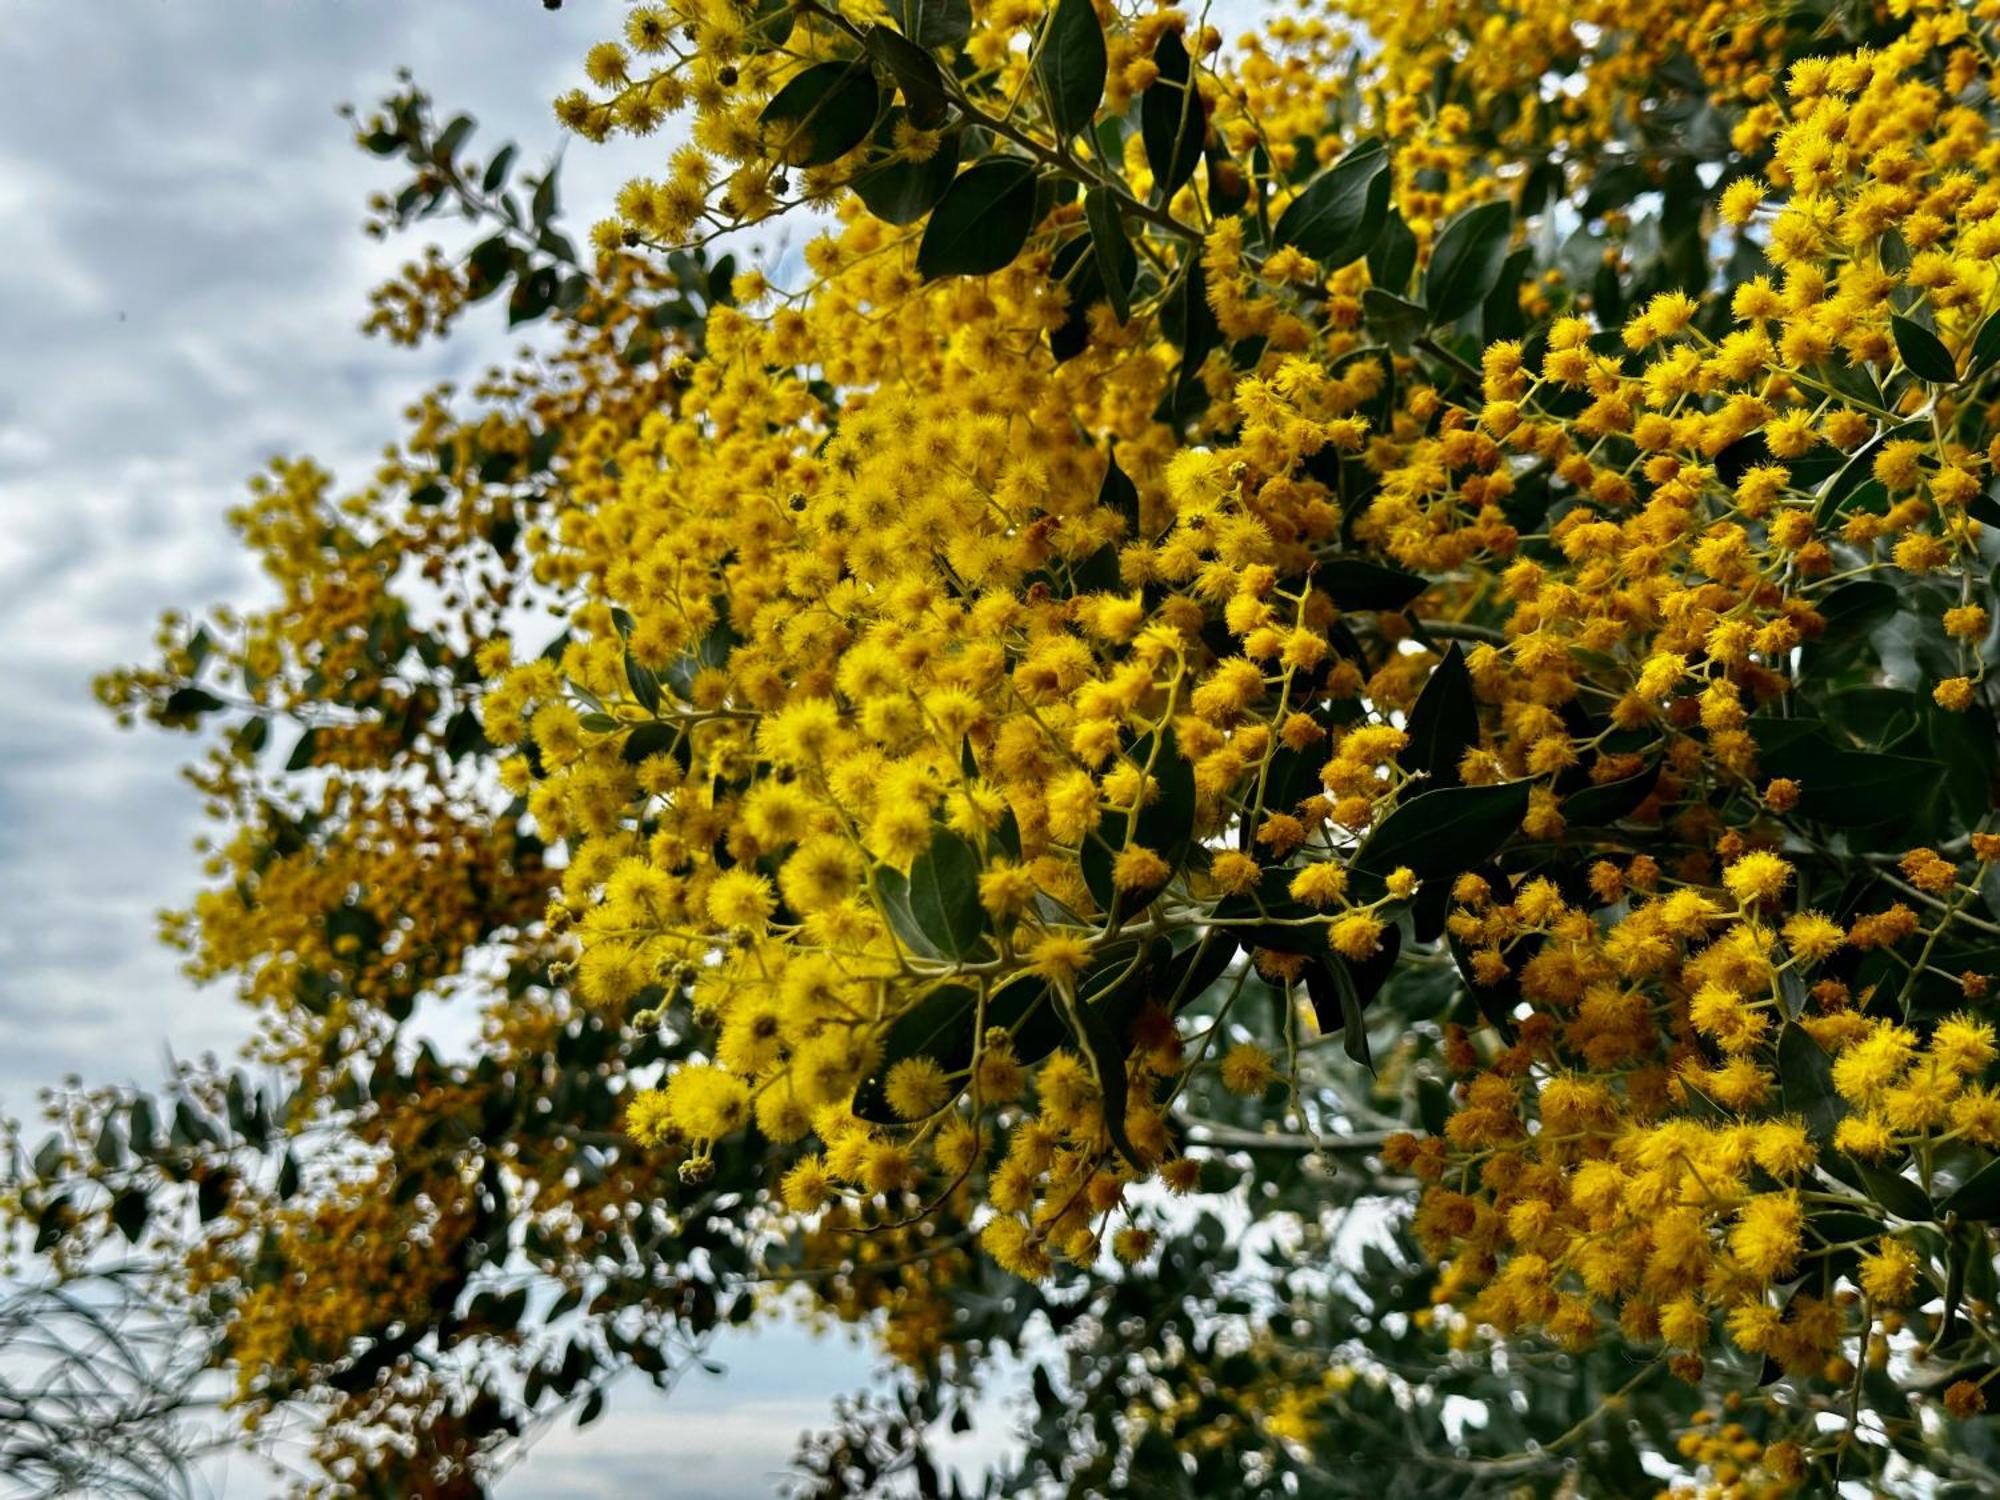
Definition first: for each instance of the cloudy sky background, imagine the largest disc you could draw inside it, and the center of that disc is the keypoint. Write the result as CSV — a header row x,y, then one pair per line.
x,y
181,279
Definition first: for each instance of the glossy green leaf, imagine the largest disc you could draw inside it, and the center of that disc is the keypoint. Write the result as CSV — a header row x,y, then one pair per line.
x,y
496,169
302,752
916,74
1171,122
1805,1073
1443,723
1836,491
944,895
142,1126
1895,1192
939,1027
1106,1019
129,1211
934,23
1466,261
1857,789
1070,66
1985,345
982,222
1446,831
897,191
1397,320
1392,258
1354,1029
191,703
1356,584
1607,802
1340,213
1977,1198
1924,354
823,113
892,887
644,682
1028,1011
1117,493
1965,747
1117,262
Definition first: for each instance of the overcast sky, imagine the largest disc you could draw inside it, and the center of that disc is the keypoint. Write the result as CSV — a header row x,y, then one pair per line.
x,y
181,279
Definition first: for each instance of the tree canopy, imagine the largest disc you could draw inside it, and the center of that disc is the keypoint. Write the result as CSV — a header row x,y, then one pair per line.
x,y
1300,732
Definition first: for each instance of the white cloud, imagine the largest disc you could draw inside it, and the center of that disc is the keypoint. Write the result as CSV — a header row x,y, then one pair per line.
x,y
181,280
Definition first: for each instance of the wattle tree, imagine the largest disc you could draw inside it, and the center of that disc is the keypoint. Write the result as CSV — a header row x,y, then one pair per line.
x,y
1299,735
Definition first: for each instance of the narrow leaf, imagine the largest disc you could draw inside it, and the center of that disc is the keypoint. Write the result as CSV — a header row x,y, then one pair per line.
x,y
1171,122
1117,262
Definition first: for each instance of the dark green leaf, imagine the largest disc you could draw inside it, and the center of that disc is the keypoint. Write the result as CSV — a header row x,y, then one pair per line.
x,y
1895,1193
894,889
823,113
1851,613
1466,262
982,221
1354,1030
1396,319
1117,262
1857,468
496,169
1354,584
1171,122
1443,723
1607,802
944,895
451,138
1071,66
191,703
644,682
939,1026
1500,315
1964,744
533,295
934,23
488,266
1985,345
1107,1024
1338,217
212,1193
1433,1105
1923,352
1447,831
1027,1011
916,74
141,1128
1118,494
1978,1197
110,1149
1393,257
897,191
1856,789
1805,1074
649,740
